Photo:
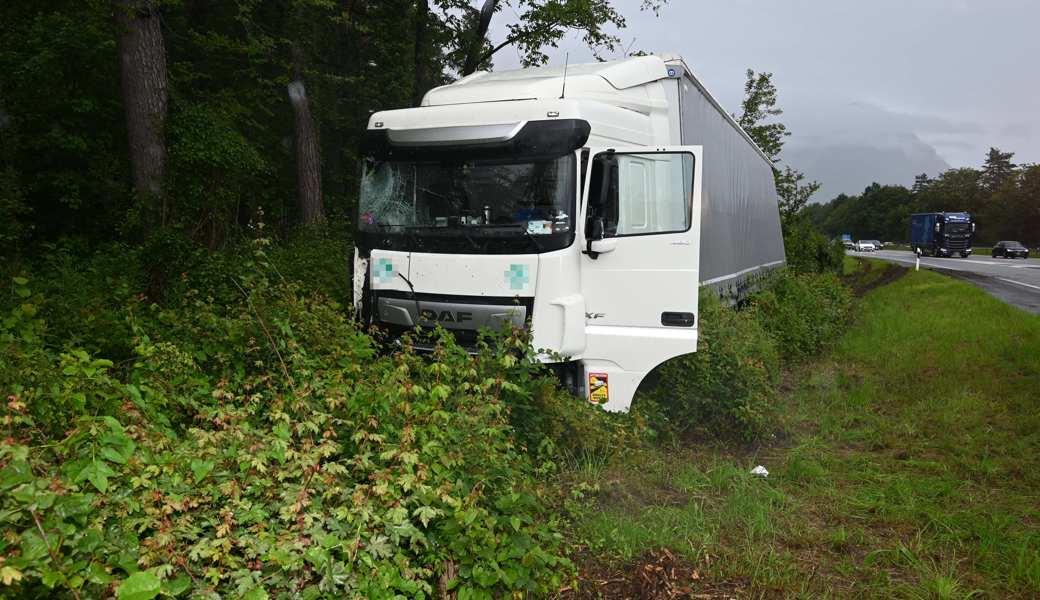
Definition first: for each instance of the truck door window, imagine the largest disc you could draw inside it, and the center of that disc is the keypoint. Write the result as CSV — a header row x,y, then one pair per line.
x,y
641,194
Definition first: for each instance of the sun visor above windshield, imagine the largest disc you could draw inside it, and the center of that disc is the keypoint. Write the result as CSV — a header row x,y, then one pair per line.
x,y
544,138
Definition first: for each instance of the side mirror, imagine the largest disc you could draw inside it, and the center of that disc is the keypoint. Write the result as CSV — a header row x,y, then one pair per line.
x,y
602,246
593,234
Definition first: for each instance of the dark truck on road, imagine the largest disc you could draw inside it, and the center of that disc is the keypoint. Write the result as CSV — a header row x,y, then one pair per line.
x,y
942,233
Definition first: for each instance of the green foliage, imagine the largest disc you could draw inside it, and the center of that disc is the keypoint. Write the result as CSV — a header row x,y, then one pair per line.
x,y
728,387
216,173
792,194
809,251
230,125
804,313
759,105
61,128
263,446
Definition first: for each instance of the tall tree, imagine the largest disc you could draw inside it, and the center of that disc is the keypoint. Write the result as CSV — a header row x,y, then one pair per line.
x,y
792,191
997,169
759,105
541,23
421,50
145,91
308,149
921,183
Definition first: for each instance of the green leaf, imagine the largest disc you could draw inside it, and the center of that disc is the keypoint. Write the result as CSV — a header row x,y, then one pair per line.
x,y
24,494
176,587
33,547
89,541
14,474
113,455
201,468
142,585
257,593
97,472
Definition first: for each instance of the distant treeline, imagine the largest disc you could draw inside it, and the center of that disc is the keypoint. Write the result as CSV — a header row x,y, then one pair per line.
x,y
1003,197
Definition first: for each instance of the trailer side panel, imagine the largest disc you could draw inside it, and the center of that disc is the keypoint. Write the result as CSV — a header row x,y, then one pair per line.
x,y
740,219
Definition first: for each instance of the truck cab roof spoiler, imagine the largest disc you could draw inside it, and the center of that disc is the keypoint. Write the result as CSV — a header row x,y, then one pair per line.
x,y
548,137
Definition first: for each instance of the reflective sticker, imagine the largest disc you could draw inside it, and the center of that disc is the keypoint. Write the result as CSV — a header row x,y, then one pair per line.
x,y
383,270
517,277
599,393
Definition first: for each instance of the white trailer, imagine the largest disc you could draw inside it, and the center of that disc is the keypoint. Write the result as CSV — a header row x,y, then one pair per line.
x,y
588,202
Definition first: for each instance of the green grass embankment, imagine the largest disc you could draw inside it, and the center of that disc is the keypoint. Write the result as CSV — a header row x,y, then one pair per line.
x,y
908,467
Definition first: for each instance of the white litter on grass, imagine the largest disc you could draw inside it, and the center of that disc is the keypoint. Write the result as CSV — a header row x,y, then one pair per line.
x,y
760,471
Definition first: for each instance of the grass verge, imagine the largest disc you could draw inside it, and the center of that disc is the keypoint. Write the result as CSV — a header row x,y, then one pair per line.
x,y
909,468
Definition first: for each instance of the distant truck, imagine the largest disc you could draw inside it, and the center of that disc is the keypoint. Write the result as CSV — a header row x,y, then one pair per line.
x,y
942,233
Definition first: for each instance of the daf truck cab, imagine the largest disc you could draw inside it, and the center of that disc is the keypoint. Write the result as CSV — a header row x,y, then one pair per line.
x,y
575,201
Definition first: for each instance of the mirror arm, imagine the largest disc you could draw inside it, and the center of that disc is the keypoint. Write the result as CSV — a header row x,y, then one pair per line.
x,y
589,251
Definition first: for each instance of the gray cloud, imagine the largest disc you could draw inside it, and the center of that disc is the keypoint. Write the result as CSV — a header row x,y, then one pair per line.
x,y
933,81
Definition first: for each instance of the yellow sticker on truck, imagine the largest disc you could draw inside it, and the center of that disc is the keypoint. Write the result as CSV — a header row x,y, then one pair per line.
x,y
599,392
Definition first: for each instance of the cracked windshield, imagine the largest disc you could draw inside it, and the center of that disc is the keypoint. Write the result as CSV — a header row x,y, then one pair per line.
x,y
484,197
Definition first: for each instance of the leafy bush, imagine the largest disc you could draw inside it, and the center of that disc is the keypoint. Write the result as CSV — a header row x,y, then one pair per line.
x,y
803,312
726,388
809,251
263,447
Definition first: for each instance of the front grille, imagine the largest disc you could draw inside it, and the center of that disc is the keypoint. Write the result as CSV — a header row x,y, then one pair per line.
x,y
466,338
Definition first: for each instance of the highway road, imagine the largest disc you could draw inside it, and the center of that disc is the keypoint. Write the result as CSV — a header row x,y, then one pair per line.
x,y
1016,282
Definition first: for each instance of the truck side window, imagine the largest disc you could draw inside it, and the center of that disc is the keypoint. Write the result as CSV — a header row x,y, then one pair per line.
x,y
641,194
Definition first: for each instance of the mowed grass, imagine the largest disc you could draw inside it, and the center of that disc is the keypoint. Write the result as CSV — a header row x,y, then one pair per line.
x,y
910,466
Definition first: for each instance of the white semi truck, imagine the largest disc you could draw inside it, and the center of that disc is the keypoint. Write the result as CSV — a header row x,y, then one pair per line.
x,y
589,202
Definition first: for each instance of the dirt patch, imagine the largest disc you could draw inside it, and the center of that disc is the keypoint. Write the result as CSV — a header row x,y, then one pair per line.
x,y
872,275
656,575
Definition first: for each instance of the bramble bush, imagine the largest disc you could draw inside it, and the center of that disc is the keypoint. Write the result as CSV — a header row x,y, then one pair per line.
x,y
804,313
809,251
725,389
728,388
265,448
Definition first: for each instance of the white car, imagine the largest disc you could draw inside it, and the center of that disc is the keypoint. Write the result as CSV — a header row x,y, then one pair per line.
x,y
865,246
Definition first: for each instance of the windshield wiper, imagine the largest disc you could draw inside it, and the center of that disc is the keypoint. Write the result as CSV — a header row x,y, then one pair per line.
x,y
461,229
469,238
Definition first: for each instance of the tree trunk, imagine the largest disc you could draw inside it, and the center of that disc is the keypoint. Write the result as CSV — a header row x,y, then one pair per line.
x,y
421,57
142,66
308,155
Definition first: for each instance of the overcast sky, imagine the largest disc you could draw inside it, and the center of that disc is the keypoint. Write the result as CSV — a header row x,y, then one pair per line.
x,y
871,90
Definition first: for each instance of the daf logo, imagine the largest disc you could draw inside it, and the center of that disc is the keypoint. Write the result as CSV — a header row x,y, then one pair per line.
x,y
445,316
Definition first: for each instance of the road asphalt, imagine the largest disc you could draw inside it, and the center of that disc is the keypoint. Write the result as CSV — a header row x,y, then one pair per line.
x,y
1014,281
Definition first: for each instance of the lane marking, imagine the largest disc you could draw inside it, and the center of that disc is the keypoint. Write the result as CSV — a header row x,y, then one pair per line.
x,y
1028,285
954,261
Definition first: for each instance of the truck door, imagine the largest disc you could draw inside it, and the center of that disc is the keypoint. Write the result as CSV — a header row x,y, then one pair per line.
x,y
639,265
